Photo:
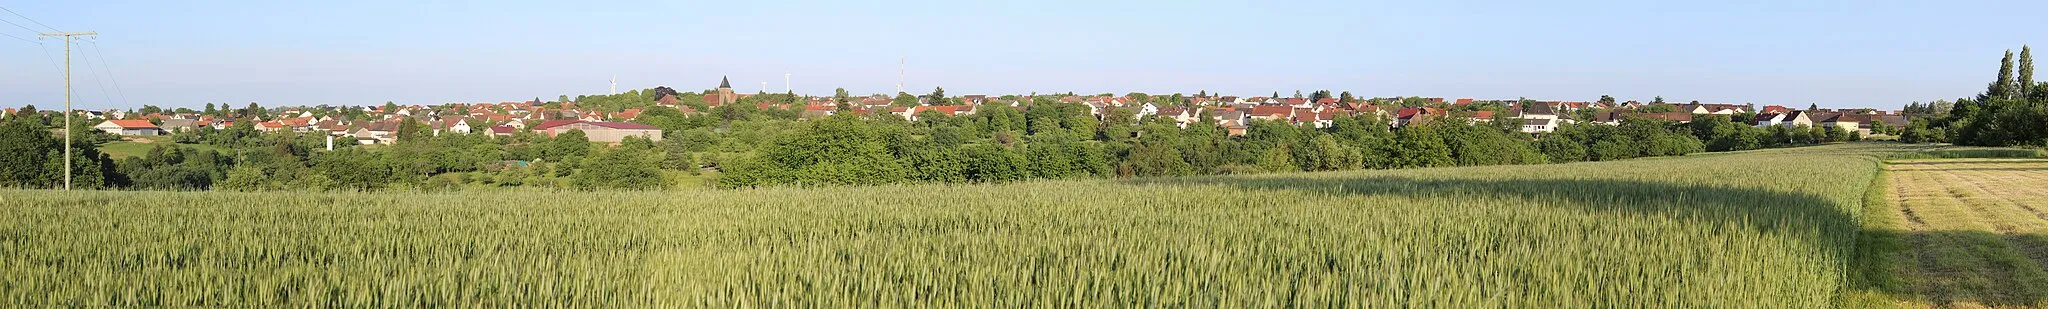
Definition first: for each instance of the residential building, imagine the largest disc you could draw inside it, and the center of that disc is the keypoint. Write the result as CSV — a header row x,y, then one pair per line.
x,y
129,127
600,131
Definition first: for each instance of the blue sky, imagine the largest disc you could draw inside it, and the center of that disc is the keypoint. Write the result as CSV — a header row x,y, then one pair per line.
x,y
1834,53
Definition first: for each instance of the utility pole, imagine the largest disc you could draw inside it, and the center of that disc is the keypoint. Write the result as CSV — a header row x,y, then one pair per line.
x,y
67,98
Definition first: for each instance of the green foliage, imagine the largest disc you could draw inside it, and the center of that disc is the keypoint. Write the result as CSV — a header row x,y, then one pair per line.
x,y
2010,112
567,145
352,170
1323,153
903,99
171,167
1158,161
24,149
835,150
1659,108
620,168
1559,149
1422,146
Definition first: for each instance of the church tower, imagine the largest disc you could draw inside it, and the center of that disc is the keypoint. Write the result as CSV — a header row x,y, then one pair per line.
x,y
723,95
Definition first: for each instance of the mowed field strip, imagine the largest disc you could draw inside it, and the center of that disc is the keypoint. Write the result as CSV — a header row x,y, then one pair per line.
x,y
1977,230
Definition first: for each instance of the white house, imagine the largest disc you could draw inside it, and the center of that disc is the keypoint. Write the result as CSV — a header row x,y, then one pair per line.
x,y
1769,119
1797,119
129,127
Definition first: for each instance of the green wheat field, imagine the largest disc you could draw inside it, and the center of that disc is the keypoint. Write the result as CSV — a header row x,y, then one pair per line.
x,y
1771,228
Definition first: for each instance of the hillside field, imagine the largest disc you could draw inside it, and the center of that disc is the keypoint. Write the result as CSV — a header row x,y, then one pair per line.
x,y
1769,228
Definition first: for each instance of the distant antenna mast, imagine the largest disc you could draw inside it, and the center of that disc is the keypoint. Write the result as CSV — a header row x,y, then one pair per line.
x,y
615,84
785,83
764,87
901,66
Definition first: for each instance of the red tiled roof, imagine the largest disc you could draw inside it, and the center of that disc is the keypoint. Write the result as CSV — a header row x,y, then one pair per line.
x,y
624,125
133,124
1271,110
550,124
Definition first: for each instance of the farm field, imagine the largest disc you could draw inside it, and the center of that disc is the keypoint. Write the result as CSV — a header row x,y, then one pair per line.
x,y
133,148
1970,233
1706,231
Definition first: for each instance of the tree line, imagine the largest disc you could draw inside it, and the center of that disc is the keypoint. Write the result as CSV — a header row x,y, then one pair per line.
x,y
1063,141
2012,111
742,146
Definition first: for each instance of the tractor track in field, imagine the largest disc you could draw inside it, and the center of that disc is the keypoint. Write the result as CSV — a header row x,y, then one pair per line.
x,y
1944,205
1926,265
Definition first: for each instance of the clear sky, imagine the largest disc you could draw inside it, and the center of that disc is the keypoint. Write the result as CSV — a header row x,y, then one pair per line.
x,y
1834,53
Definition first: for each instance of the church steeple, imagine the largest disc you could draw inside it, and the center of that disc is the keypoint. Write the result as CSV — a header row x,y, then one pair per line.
x,y
723,83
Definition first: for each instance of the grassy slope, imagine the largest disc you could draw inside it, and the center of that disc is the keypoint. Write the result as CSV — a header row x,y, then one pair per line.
x,y
1767,228
124,149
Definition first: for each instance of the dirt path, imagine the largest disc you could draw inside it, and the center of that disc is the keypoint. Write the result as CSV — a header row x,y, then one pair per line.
x,y
1978,230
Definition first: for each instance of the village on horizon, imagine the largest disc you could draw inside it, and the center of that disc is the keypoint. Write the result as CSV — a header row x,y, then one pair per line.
x,y
1231,112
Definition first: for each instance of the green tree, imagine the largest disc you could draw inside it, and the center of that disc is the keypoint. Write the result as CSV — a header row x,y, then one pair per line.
x,y
1422,146
676,155
1559,149
2024,83
1158,160
991,163
1329,155
2002,87
24,145
620,168
568,145
1610,150
253,112
904,99
938,97
1278,160
836,150
244,179
347,169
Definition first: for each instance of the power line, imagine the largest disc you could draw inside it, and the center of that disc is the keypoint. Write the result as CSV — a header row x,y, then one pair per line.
x,y
2,8
20,38
19,25
95,76
53,62
104,66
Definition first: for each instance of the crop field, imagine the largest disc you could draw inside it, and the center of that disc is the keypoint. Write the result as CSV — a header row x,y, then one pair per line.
x,y
1973,232
1772,228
